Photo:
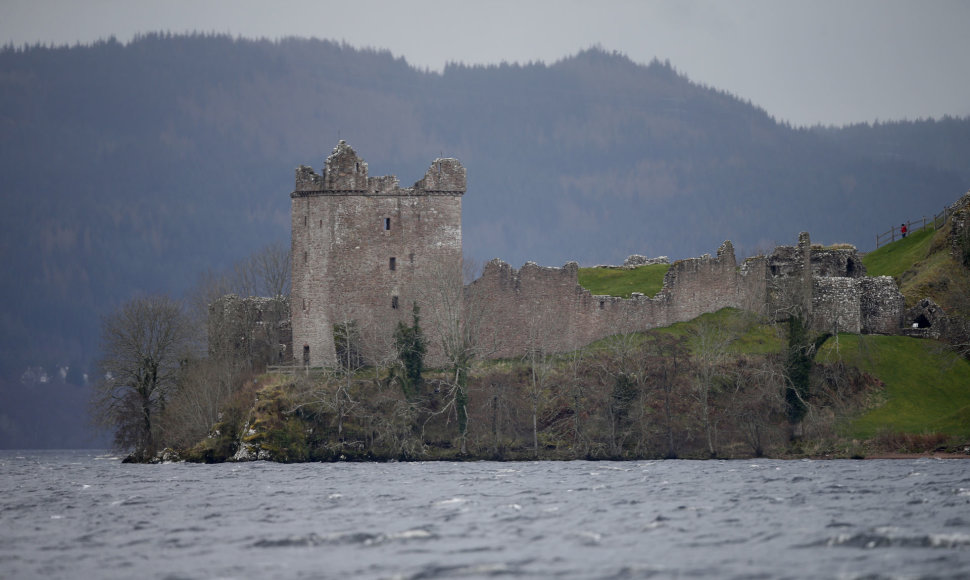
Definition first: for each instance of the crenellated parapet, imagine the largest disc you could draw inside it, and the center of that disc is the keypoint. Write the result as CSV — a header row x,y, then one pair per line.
x,y
346,173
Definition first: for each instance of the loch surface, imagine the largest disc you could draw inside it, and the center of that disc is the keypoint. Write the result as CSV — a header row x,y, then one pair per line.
x,y
75,514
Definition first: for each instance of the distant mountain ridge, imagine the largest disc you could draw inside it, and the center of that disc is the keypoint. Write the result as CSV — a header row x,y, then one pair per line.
x,y
130,168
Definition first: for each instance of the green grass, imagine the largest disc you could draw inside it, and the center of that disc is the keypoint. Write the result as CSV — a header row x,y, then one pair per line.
x,y
622,282
750,335
927,388
895,258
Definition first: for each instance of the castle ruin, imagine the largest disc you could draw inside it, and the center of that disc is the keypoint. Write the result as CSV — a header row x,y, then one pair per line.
x,y
364,249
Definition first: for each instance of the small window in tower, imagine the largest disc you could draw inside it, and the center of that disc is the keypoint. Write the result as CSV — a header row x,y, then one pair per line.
x,y
321,223
357,167
304,221
304,257
394,302
387,224
392,264
411,258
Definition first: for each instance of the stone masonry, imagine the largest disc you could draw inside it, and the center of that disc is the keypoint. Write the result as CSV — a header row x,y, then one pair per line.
x,y
547,308
364,249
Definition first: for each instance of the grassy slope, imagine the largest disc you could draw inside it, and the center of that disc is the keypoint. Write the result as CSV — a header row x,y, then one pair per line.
x,y
923,268
895,258
748,334
927,387
622,282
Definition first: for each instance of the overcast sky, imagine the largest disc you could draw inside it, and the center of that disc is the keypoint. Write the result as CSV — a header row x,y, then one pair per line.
x,y
807,62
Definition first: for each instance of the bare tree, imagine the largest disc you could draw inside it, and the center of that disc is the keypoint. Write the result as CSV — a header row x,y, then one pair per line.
x,y
709,342
456,324
142,345
204,387
625,366
538,359
669,358
757,400
264,273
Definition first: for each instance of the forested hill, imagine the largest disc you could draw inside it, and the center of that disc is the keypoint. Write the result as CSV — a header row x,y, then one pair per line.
x,y
133,167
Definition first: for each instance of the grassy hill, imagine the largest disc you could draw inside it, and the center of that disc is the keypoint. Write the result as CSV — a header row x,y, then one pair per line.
x,y
927,384
924,268
927,387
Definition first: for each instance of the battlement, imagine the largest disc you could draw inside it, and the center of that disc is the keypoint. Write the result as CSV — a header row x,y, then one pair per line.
x,y
345,173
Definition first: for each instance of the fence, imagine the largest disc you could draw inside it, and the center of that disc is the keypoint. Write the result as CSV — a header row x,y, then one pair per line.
x,y
937,222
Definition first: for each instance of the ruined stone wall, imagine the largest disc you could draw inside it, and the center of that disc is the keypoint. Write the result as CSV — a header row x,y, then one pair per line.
x,y
837,263
255,327
789,280
545,307
836,305
364,249
881,305
541,306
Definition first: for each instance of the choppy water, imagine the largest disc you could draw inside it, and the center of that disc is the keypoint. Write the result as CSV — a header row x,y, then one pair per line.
x,y
81,515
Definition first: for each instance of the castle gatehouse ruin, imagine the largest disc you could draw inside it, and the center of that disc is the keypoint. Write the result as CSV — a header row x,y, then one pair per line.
x,y
364,250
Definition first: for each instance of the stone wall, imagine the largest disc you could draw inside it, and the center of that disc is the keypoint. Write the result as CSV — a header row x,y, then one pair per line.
x,y
255,328
542,307
365,249
546,307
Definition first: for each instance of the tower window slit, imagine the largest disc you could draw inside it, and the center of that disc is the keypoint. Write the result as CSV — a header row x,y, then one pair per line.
x,y
392,264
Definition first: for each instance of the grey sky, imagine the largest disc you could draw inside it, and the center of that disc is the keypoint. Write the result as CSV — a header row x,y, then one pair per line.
x,y
813,61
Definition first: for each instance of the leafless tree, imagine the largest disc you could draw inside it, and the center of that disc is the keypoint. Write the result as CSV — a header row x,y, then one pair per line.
x,y
456,323
757,401
265,273
203,389
142,345
709,341
540,368
625,365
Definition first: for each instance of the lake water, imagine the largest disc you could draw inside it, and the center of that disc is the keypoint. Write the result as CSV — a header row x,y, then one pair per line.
x,y
86,515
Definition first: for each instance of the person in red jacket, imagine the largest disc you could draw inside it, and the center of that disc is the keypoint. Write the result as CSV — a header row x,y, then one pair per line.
x,y
902,229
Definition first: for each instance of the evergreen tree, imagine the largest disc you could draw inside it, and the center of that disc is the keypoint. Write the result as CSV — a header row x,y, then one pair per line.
x,y
411,347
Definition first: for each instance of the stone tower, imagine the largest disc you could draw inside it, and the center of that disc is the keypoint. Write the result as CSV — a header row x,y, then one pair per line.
x,y
364,249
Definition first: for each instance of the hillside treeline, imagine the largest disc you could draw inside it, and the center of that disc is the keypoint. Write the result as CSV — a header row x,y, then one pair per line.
x,y
130,169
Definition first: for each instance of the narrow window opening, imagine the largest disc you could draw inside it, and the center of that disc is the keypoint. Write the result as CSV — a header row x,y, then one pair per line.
x,y
304,221
394,302
387,224
357,167
411,258
321,223
306,355
304,257
392,264
602,303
